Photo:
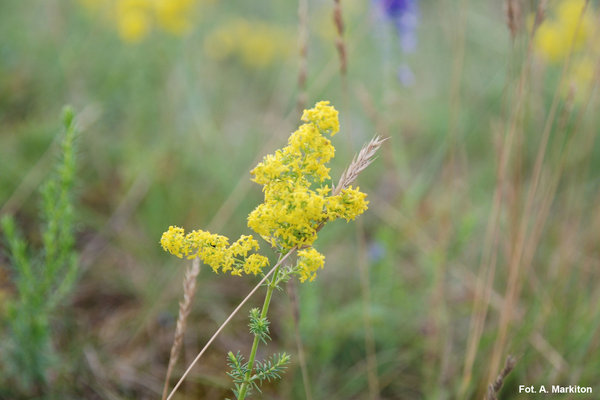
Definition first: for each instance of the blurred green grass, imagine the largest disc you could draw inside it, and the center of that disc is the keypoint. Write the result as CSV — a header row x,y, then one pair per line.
x,y
169,137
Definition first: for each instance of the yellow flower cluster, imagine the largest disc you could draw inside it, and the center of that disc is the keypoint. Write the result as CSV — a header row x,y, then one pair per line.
x,y
296,193
309,261
324,117
297,204
570,31
136,18
254,44
215,250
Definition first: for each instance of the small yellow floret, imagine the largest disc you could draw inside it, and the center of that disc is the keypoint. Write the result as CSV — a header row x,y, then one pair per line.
x,y
324,116
173,241
349,204
255,263
309,261
244,245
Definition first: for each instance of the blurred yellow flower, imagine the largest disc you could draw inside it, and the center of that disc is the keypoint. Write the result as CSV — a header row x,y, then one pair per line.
x,y
550,41
255,44
135,19
173,15
580,77
570,30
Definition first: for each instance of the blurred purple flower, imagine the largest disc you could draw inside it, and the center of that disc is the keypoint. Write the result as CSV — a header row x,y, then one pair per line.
x,y
376,252
404,15
405,75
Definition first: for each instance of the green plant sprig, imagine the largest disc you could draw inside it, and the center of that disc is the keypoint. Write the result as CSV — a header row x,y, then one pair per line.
x,y
259,329
42,280
298,202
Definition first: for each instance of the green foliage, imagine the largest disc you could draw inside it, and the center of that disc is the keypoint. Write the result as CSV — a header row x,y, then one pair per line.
x,y
239,369
249,376
259,327
271,368
286,273
43,279
267,370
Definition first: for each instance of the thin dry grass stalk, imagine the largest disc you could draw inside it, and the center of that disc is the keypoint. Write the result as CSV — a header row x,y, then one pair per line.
x,y
339,42
513,17
292,292
494,388
489,258
523,241
540,13
185,306
371,351
303,50
229,318
359,163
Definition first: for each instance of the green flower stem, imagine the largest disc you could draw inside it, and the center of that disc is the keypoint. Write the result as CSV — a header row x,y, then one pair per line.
x,y
263,314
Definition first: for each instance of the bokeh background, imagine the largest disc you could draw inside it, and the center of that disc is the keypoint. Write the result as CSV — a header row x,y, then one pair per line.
x,y
482,235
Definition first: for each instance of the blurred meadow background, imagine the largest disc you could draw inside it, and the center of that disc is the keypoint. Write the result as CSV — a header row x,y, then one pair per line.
x,y
482,234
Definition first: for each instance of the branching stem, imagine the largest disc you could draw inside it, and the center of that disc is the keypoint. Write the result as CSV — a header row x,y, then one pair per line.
x,y
271,286
229,318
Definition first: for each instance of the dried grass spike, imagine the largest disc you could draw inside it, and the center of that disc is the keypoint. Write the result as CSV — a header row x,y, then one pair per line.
x,y
359,163
495,387
185,306
513,17
540,13
303,52
339,42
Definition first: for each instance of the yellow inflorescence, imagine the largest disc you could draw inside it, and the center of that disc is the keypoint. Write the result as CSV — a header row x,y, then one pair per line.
x,y
324,117
297,200
297,203
214,250
570,31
